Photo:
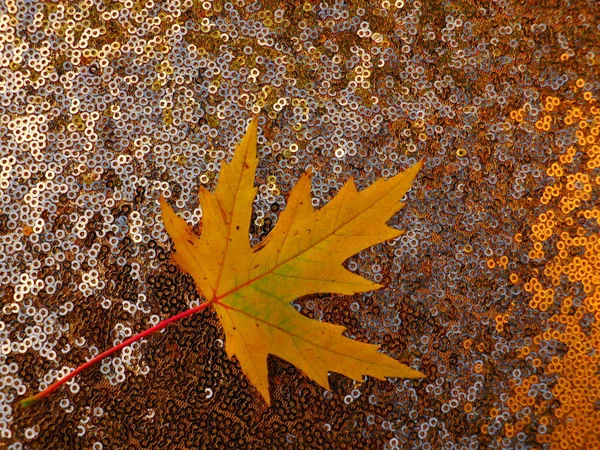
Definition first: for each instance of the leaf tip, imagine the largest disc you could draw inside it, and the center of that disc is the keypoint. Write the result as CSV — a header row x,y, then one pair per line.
x,y
264,393
418,165
377,286
252,125
162,200
416,374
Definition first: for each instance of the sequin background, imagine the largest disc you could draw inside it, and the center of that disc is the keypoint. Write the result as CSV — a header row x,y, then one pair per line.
x,y
492,292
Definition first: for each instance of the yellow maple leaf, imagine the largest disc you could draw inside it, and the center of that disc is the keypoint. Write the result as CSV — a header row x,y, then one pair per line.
x,y
251,288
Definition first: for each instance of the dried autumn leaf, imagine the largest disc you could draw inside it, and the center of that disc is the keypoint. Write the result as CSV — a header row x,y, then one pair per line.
x,y
251,288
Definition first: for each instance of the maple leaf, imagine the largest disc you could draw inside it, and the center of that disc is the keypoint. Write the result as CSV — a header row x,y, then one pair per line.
x,y
251,288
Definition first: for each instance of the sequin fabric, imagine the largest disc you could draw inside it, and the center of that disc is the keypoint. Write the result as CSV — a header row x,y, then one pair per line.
x,y
493,292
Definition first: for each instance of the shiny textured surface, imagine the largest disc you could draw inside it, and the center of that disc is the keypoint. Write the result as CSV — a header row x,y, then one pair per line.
x,y
492,293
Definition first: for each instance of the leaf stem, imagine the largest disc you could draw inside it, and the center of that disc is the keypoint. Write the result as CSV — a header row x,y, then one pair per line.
x,y
159,326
